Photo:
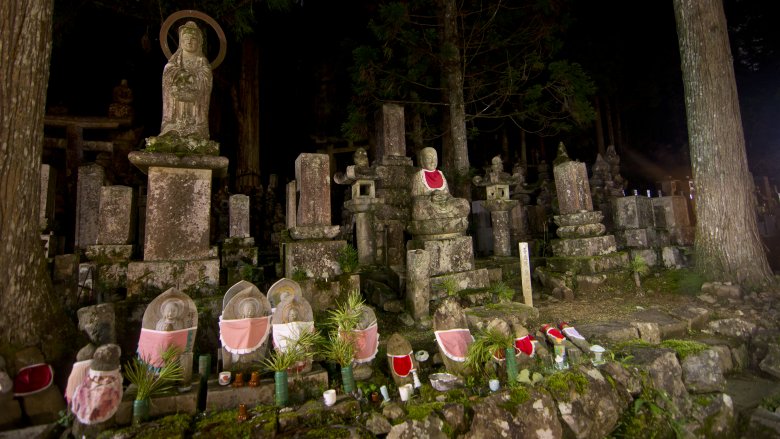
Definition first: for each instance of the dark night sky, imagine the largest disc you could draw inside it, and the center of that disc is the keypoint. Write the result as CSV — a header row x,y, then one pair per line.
x,y
634,44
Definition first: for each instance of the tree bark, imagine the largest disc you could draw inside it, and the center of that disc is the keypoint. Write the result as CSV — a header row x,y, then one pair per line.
x,y
454,141
31,315
728,246
599,127
246,105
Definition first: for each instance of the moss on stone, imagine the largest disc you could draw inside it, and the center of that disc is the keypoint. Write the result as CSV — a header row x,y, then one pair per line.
x,y
684,348
562,384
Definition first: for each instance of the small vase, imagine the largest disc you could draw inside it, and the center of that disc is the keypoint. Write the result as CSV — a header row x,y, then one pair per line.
x,y
280,381
140,411
511,365
347,379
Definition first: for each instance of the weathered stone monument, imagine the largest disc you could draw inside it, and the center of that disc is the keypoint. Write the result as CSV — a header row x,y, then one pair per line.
x,y
635,227
313,252
438,225
582,248
238,252
180,164
362,204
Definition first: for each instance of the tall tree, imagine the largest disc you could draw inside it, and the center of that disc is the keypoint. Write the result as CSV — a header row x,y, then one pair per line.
x,y
728,246
498,58
31,315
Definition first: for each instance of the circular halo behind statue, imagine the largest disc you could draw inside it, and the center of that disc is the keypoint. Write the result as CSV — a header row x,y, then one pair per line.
x,y
189,13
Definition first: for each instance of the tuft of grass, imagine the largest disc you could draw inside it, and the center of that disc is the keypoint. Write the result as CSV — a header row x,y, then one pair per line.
x,y
504,292
348,259
684,348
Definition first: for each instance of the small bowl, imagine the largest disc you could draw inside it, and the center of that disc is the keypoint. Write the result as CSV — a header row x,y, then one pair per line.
x,y
443,381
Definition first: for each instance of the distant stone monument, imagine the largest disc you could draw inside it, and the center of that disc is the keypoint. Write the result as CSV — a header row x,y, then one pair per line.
x,y
497,183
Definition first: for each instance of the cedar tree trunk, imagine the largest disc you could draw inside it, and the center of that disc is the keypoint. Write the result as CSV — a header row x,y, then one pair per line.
x,y
31,316
728,246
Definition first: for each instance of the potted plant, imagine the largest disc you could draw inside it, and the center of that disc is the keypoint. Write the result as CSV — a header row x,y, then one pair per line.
x,y
489,344
279,361
150,381
341,344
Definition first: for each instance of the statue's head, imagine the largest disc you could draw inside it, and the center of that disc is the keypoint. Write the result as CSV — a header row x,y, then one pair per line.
x,y
172,309
360,157
497,164
190,37
428,158
249,307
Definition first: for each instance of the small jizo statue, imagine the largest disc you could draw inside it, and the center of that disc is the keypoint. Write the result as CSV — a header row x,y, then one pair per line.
x,y
244,327
170,320
97,398
401,360
366,338
293,317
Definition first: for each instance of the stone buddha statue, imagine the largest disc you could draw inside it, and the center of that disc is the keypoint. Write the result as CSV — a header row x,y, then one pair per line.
x,y
434,210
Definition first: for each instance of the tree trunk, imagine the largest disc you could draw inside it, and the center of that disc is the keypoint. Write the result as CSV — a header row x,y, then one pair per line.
x,y
31,316
728,246
454,143
246,104
599,127
610,127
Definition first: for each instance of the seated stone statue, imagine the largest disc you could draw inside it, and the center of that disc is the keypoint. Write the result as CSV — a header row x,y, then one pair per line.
x,y
434,210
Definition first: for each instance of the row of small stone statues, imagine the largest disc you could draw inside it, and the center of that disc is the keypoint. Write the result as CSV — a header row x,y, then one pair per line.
x,y
249,318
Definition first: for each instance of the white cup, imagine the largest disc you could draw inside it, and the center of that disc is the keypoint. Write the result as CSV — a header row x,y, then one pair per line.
x,y
494,385
224,378
405,391
329,396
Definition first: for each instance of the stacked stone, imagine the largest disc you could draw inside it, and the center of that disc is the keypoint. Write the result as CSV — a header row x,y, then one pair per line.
x,y
583,247
635,227
673,227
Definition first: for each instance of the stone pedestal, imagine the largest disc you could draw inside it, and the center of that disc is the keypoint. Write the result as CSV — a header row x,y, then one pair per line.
x,y
418,289
499,217
317,259
177,252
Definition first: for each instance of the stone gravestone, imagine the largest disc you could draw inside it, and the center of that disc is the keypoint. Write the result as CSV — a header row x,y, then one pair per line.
x,y
635,226
238,251
497,183
88,188
583,248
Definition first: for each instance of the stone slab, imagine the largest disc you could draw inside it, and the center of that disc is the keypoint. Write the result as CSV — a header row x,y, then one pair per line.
x,y
90,180
299,387
589,264
571,184
670,326
593,246
671,211
632,212
144,160
187,276
636,238
390,131
43,407
37,431
514,313
312,174
465,279
323,296
178,207
168,404
105,253
115,218
10,414
447,255
317,259
608,332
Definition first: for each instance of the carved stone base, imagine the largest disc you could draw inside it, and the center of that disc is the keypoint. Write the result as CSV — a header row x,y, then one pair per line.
x,y
598,245
187,276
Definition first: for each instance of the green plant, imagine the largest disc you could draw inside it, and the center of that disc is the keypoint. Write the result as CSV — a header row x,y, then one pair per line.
x,y
348,259
638,268
299,275
65,418
450,286
339,348
346,315
684,348
485,345
504,292
298,349
150,381
648,416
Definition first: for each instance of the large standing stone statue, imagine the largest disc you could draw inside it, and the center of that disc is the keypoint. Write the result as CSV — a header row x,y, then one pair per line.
x,y
434,210
187,86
